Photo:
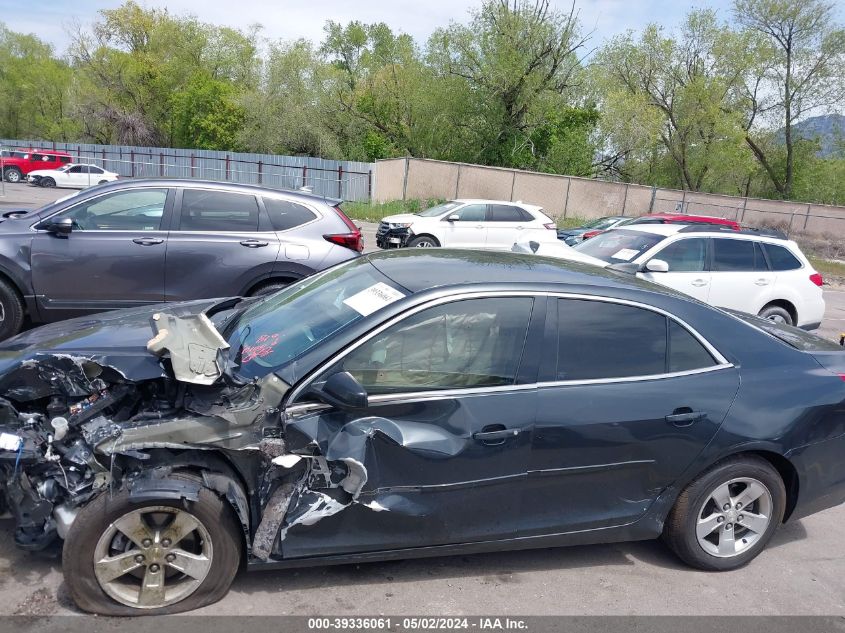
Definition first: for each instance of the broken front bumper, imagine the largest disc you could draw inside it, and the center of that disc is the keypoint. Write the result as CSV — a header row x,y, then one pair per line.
x,y
387,237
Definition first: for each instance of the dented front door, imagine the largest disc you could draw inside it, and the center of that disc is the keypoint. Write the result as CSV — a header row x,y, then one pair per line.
x,y
445,440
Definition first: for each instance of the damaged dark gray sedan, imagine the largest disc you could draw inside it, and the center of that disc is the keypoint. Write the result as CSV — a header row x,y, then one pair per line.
x,y
408,404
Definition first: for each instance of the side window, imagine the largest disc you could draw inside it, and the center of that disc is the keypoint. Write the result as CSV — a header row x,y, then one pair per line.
x,y
781,258
600,340
76,169
38,157
285,214
597,339
504,213
736,256
470,343
686,255
132,210
472,213
64,159
218,211
95,170
685,352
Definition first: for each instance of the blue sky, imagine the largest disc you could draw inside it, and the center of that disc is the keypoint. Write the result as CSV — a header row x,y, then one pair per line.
x,y
288,19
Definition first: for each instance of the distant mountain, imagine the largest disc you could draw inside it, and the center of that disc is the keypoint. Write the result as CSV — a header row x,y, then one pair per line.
x,y
829,129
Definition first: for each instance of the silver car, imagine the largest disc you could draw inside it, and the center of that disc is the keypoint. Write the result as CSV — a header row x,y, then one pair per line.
x,y
136,242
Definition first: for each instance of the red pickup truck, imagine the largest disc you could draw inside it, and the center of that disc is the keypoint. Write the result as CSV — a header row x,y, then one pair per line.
x,y
17,163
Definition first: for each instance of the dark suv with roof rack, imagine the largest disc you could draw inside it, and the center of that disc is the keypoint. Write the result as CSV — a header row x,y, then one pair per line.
x,y
134,243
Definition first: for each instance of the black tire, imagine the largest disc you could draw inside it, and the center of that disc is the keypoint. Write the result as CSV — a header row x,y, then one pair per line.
x,y
96,517
679,532
13,174
102,182
11,311
47,182
423,241
269,288
777,314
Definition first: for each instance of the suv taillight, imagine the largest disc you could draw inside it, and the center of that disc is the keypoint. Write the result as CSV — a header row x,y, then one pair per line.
x,y
551,226
817,279
351,240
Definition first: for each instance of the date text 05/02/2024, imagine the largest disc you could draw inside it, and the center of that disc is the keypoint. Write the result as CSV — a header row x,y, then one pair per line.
x,y
417,623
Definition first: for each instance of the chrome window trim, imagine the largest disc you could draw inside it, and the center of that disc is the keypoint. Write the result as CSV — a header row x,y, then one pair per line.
x,y
418,396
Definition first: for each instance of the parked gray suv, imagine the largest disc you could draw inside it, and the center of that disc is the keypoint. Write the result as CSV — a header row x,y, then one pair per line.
x,y
139,242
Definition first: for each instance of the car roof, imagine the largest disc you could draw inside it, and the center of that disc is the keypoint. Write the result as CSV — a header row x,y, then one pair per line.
x,y
680,217
214,184
694,230
657,229
421,269
512,203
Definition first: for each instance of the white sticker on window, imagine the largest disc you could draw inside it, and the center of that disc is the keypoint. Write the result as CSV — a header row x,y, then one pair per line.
x,y
9,442
373,298
626,254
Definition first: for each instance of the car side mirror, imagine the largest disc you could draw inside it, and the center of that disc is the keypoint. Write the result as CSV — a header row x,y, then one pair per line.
x,y
657,266
341,390
453,218
62,226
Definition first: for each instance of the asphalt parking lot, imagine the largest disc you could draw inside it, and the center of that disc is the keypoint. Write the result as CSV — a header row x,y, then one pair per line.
x,y
801,573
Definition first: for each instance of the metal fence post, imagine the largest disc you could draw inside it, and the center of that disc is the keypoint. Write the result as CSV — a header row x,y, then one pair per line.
x,y
625,199
132,161
405,179
457,181
566,200
513,183
161,164
744,205
807,217
227,167
340,181
651,202
304,175
370,184
193,166
260,169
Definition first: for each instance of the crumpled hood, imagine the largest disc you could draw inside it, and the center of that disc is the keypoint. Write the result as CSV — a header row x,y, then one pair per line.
x,y
402,218
116,339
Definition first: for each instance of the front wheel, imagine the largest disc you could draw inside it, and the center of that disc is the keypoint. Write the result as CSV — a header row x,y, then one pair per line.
x,y
158,557
47,182
13,174
423,242
727,515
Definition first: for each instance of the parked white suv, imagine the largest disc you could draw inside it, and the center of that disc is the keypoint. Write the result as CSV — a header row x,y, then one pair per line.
x,y
745,271
490,224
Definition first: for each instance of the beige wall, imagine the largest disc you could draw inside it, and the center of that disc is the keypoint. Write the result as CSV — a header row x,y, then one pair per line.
x,y
565,196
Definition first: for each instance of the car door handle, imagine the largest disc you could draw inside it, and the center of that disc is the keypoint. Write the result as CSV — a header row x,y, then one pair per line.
x,y
699,282
148,241
762,282
253,243
495,437
687,418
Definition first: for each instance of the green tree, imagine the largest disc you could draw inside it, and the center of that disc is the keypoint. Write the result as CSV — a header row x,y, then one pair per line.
x,y
803,71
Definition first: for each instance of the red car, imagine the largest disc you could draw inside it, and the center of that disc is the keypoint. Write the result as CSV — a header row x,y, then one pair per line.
x,y
673,218
17,163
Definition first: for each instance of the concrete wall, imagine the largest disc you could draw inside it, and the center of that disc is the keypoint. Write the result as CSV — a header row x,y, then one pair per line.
x,y
567,196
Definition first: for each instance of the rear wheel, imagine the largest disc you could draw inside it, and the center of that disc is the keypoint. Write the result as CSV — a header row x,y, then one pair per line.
x,y
776,314
13,174
47,182
102,182
727,515
158,557
423,242
269,288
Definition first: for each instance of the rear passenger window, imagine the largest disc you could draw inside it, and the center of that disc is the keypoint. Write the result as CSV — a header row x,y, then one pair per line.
x,y
597,339
601,340
781,258
218,211
685,352
505,213
737,256
285,214
64,159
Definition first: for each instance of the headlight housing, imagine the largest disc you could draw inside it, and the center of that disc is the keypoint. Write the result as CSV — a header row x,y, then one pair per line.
x,y
398,225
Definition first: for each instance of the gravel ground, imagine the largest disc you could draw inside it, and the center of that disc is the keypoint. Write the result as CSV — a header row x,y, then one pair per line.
x,y
801,573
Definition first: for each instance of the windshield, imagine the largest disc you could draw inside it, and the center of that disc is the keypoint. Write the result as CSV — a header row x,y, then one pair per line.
x,y
601,223
439,210
287,324
64,168
618,246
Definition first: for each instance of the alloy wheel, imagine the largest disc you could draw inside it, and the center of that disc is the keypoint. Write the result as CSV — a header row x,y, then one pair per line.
x,y
153,557
734,517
